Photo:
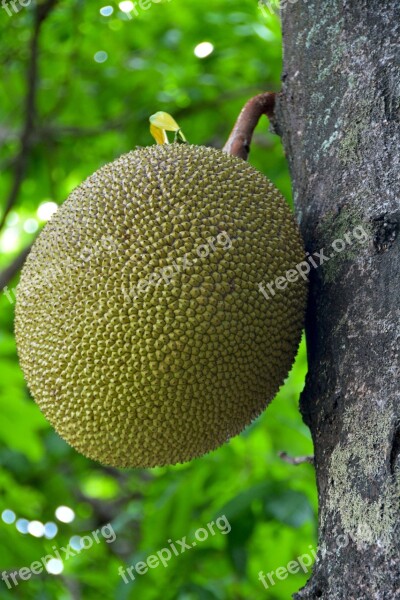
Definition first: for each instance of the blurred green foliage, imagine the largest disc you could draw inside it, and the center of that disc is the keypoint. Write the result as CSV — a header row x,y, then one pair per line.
x,y
88,113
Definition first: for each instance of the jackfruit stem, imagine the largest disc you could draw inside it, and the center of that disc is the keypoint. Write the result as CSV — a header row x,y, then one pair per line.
x,y
239,141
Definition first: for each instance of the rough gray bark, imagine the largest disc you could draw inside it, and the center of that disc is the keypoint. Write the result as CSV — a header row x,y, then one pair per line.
x,y
339,117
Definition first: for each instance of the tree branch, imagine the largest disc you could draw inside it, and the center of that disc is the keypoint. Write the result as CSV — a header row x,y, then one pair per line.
x,y
14,267
42,11
296,460
238,143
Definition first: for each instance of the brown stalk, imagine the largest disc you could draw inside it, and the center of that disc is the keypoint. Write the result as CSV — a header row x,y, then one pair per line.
x,y
239,141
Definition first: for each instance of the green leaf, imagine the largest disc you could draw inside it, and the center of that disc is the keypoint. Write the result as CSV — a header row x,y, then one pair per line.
x,y
289,507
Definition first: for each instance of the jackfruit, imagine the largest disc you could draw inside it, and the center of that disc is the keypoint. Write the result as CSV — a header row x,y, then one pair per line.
x,y
141,328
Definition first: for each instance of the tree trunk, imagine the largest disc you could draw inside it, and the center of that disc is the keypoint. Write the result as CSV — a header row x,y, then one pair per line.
x,y
338,115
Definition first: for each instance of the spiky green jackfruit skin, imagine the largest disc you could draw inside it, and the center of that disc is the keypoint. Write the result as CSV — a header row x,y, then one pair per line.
x,y
136,375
